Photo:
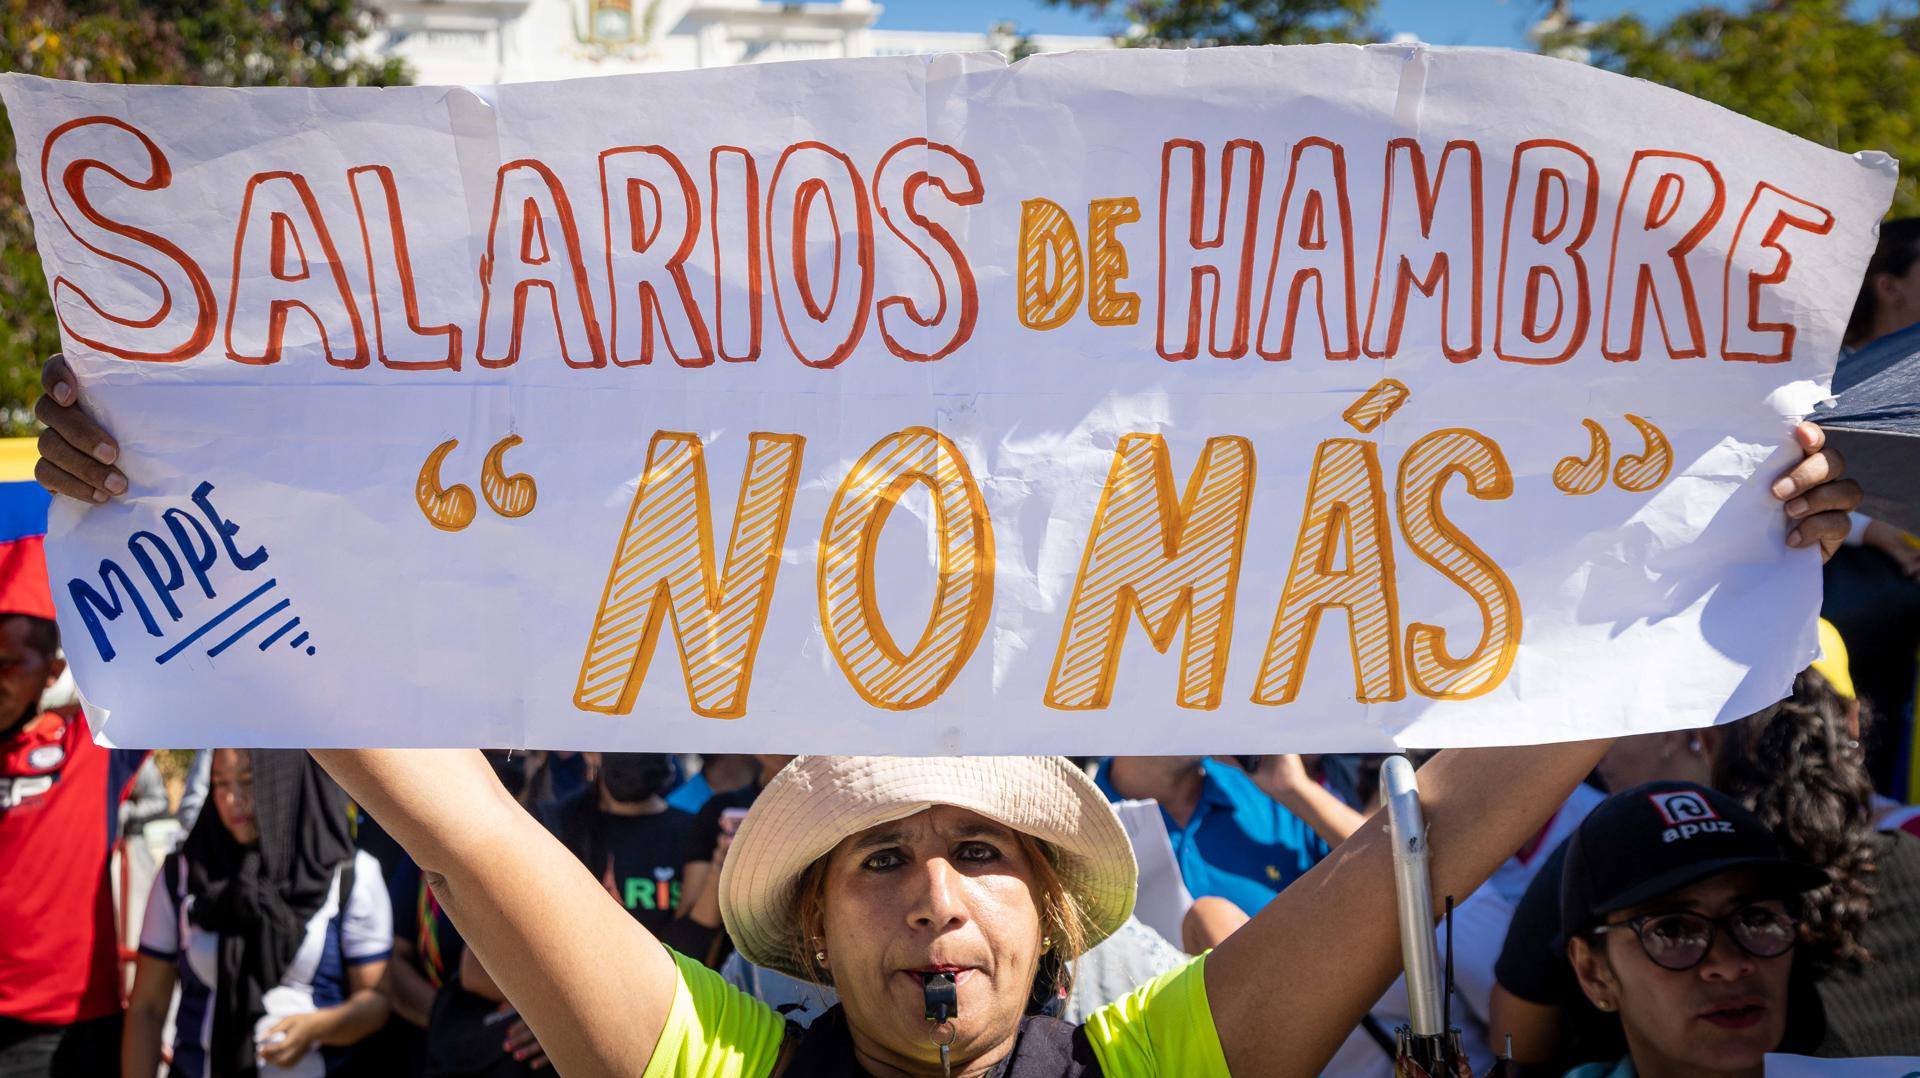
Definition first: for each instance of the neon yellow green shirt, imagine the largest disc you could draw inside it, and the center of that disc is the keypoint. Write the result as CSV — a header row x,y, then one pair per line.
x,y
1164,1027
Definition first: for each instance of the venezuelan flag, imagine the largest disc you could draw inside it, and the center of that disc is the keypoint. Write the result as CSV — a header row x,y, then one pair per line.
x,y
23,531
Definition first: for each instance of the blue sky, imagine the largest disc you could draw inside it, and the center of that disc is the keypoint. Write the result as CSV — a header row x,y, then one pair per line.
x,y
1440,22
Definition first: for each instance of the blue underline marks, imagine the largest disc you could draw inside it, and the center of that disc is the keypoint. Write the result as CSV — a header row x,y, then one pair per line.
x,y
188,640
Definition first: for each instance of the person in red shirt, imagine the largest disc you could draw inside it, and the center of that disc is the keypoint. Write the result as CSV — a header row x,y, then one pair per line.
x,y
60,794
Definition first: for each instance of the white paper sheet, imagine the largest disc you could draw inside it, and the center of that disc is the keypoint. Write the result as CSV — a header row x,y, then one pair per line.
x,y
869,251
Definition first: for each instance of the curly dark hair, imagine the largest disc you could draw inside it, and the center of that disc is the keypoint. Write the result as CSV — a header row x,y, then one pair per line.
x,y
1800,769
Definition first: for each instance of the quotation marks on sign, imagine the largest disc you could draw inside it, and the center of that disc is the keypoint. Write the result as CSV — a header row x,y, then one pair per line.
x,y
453,508
1636,473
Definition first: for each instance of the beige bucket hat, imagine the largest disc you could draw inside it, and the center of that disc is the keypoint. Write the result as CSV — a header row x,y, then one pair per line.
x,y
816,801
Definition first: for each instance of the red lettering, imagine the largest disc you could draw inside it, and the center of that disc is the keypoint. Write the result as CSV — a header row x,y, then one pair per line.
x,y
821,180
1743,336
1671,204
128,337
1401,247
1313,248
277,211
917,337
1541,245
652,218
736,237
521,260
377,204
1193,262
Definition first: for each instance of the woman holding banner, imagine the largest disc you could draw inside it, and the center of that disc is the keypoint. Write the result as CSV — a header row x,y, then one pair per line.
x,y
944,899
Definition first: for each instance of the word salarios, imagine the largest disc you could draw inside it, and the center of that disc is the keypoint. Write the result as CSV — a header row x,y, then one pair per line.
x,y
704,255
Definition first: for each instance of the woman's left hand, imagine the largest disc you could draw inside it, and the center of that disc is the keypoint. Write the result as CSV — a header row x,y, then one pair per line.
x,y
522,1045
1818,500
288,1042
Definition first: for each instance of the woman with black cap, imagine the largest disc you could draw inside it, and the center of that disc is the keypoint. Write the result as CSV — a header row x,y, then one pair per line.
x,y
1680,916
276,932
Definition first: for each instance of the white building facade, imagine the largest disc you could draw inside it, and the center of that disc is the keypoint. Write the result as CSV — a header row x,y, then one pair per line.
x,y
489,41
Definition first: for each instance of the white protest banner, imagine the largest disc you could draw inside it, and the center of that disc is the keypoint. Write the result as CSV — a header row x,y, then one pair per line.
x,y
1225,400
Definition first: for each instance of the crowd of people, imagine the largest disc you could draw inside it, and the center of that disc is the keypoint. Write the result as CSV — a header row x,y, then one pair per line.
x,y
1667,904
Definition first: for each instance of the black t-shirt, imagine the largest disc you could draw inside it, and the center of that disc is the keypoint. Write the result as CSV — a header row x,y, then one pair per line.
x,y
1875,1010
637,858
644,859
1533,966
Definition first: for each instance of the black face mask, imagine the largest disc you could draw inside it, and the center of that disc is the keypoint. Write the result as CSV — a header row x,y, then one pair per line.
x,y
635,776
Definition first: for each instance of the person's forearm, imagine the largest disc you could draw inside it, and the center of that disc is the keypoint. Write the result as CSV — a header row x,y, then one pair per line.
x,y
412,996
592,983
140,1043
1331,818
1305,970
351,1022
427,799
705,910
475,979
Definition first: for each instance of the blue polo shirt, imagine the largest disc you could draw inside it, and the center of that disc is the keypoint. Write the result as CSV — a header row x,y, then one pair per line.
x,y
1239,843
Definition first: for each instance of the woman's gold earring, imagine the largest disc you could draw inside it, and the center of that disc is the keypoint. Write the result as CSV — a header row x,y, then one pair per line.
x,y
1046,944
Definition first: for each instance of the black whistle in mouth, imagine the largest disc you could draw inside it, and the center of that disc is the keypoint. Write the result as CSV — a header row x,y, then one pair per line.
x,y
943,997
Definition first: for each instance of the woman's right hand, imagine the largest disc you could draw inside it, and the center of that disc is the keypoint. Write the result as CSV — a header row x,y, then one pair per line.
x,y
76,453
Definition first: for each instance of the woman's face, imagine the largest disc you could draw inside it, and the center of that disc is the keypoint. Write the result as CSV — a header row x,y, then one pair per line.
x,y
1721,1016
232,792
944,890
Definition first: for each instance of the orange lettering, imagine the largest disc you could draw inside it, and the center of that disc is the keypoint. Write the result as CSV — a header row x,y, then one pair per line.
x,y
879,671
663,566
1167,561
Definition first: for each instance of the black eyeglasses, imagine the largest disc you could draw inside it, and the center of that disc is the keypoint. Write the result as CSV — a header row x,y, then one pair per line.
x,y
1680,941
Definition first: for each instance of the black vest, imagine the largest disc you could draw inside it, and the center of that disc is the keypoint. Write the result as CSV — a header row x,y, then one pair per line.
x,y
1046,1048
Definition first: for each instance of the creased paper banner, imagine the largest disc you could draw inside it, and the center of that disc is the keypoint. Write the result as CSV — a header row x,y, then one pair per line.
x,y
1145,402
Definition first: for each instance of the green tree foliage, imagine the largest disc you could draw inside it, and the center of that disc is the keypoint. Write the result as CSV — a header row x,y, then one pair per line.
x,y
213,42
1822,69
1234,22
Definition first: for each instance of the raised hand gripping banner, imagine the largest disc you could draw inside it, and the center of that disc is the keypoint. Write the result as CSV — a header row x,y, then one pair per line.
x,y
1144,402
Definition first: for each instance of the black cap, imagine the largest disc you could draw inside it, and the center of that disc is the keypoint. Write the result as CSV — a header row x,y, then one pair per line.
x,y
1656,838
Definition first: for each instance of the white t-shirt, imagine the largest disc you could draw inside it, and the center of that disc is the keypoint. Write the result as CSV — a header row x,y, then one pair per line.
x,y
1479,931
315,979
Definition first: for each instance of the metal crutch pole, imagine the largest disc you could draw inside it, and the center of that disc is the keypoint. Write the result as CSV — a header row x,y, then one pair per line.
x,y
1425,1046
